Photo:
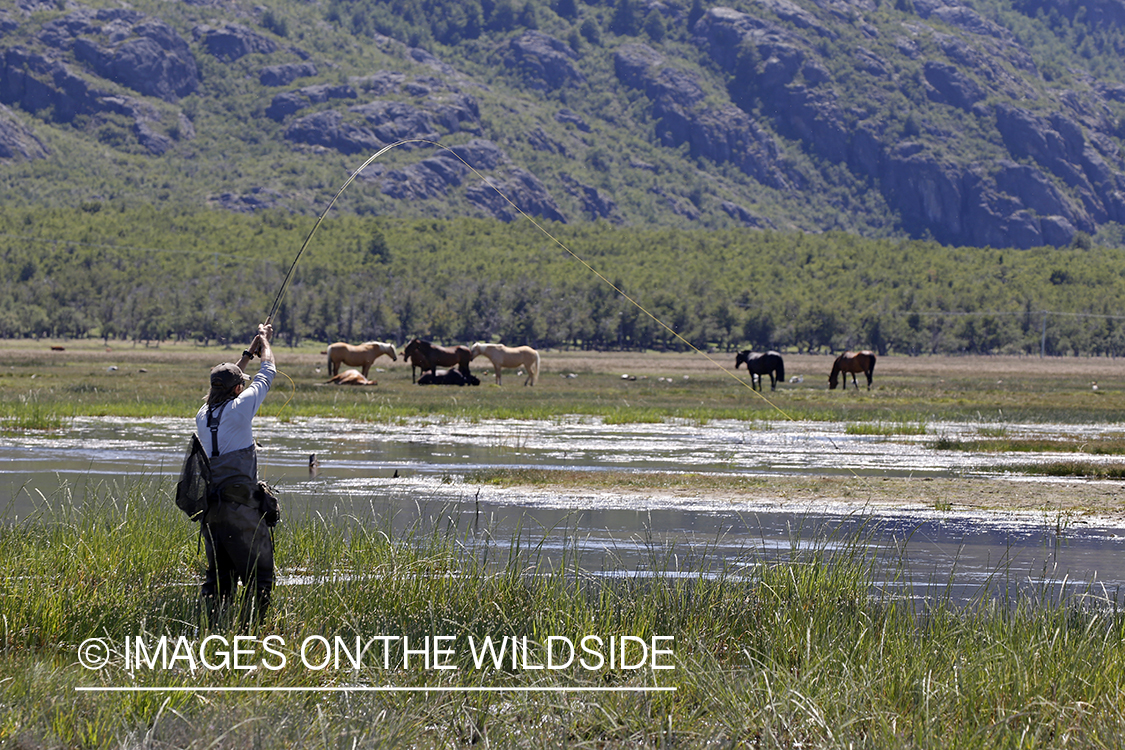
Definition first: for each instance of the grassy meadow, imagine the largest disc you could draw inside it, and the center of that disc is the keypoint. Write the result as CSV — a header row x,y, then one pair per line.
x,y
124,379
802,651
797,652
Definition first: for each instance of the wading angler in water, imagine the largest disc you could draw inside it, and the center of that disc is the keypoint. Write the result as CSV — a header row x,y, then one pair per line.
x,y
236,527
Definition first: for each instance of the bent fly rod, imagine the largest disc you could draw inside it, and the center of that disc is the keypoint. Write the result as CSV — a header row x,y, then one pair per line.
x,y
320,219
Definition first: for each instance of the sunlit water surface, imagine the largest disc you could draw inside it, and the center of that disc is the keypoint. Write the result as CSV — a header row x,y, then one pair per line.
x,y
414,474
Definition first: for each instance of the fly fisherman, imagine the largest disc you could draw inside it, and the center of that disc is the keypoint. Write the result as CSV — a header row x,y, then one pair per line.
x,y
238,542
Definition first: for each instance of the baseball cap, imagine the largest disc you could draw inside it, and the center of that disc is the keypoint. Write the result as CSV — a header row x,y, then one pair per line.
x,y
227,376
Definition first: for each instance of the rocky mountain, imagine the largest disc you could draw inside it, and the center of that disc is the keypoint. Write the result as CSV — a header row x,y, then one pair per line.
x,y
972,123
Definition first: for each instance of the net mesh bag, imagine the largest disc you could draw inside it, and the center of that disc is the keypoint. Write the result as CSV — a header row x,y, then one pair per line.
x,y
194,487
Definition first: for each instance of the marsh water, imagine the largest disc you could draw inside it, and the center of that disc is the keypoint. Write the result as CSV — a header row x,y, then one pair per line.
x,y
414,475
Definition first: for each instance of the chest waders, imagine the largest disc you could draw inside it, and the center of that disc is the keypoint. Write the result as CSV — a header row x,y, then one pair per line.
x,y
239,543
234,475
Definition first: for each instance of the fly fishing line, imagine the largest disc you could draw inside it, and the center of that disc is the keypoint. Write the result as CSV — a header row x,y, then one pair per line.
x,y
371,159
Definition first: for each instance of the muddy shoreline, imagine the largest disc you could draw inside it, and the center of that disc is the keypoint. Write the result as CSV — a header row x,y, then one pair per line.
x,y
1018,499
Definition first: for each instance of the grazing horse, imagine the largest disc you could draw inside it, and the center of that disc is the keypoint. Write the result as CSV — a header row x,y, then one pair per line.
x,y
852,362
758,364
510,357
363,355
448,377
427,357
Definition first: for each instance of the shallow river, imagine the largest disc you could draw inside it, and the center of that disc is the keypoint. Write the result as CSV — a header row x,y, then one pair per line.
x,y
614,533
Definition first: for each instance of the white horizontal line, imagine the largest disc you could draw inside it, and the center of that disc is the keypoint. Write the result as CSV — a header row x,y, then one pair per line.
x,y
371,689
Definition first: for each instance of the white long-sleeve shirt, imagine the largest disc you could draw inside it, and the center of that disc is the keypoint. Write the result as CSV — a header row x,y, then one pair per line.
x,y
235,432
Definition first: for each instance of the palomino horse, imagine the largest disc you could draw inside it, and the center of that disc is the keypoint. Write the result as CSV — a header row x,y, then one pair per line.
x,y
428,357
758,364
363,355
349,377
852,362
509,357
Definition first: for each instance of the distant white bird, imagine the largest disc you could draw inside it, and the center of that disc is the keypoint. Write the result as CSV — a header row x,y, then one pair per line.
x,y
1094,385
797,379
111,368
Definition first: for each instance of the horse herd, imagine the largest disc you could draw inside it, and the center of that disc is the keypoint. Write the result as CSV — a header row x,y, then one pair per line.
x,y
428,357
770,363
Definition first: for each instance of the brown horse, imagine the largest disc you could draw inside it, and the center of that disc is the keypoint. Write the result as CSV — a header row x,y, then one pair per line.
x,y
363,355
852,362
428,357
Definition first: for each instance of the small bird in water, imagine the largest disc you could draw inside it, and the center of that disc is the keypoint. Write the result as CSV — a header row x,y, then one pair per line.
x,y
314,465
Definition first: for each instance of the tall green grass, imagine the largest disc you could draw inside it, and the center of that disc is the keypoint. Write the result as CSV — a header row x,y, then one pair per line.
x,y
885,428
29,414
797,650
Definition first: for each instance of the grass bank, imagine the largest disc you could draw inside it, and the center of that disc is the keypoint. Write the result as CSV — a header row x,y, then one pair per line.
x,y
44,386
796,652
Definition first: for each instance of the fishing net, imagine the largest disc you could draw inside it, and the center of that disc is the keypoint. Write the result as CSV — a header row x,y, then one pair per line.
x,y
194,487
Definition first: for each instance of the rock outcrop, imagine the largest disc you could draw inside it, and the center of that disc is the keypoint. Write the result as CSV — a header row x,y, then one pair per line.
x,y
518,188
292,102
721,134
283,75
1075,182
544,62
17,141
435,176
232,41
137,51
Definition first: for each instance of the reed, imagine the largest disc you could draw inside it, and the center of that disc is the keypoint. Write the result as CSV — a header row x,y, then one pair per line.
x,y
1109,445
885,428
1072,468
29,414
798,648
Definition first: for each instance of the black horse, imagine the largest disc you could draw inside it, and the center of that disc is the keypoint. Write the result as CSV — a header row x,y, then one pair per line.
x,y
448,377
427,357
758,364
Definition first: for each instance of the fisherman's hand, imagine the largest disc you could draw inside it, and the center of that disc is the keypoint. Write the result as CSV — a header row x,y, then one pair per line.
x,y
255,348
265,330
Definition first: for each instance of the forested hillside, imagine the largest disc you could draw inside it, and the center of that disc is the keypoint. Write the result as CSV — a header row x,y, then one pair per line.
x,y
988,123
145,275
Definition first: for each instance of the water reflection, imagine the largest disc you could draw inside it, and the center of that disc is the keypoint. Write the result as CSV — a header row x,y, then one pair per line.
x,y
604,530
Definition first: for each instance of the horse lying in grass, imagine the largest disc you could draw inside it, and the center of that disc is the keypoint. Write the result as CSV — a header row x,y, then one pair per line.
x,y
852,362
509,357
448,377
428,357
363,355
758,364
349,377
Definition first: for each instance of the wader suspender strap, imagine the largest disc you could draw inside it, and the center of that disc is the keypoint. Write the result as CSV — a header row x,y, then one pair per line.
x,y
214,426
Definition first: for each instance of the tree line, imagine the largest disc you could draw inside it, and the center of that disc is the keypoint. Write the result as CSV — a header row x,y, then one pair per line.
x,y
150,275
